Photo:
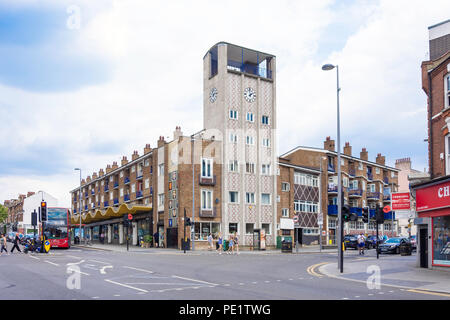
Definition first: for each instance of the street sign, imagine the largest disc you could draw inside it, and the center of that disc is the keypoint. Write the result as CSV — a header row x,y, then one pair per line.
x,y
295,219
401,201
386,209
130,216
324,233
170,223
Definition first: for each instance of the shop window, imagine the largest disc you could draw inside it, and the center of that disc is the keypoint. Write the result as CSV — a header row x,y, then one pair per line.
x,y
441,241
249,228
232,228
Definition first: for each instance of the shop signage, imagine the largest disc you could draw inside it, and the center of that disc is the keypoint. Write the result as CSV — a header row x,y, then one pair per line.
x,y
401,201
433,197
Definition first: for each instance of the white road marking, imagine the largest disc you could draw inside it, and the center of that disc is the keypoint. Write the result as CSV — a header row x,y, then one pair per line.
x,y
102,270
55,264
267,281
137,269
107,263
126,286
35,258
200,281
241,284
74,263
117,295
95,297
159,283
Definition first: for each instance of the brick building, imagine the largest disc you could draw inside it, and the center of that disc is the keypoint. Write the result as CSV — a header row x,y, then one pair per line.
x,y
432,197
14,222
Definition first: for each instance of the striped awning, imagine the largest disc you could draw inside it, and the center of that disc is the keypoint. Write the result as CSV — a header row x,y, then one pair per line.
x,y
99,215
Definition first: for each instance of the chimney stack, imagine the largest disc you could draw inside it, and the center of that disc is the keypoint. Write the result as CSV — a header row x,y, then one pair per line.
x,y
135,155
108,169
94,176
124,161
364,155
161,141
177,133
114,165
328,144
348,149
147,148
88,179
101,173
380,159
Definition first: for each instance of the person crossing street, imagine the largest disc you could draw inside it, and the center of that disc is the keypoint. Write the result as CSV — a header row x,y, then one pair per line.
x,y
361,243
4,245
16,243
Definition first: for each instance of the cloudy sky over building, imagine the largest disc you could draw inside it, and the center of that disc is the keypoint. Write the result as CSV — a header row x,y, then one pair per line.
x,y
83,83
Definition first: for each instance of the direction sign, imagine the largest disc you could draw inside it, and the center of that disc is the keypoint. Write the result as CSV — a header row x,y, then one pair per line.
x,y
401,201
130,216
386,209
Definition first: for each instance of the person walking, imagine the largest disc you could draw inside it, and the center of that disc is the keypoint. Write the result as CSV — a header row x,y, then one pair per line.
x,y
230,245
210,242
236,243
16,243
219,241
4,245
156,238
361,244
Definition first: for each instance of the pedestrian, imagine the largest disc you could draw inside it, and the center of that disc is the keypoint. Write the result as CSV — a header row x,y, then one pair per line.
x,y
4,245
16,243
230,245
236,243
361,244
102,238
219,241
210,242
156,237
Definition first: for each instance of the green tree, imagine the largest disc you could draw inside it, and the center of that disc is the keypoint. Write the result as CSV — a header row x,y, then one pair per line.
x,y
3,213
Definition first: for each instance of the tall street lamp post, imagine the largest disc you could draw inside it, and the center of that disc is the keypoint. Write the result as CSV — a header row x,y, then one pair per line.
x,y
79,201
327,67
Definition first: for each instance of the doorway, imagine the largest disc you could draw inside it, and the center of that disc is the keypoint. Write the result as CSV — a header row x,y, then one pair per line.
x,y
423,245
172,238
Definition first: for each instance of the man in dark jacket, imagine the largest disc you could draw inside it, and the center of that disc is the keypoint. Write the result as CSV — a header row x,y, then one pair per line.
x,y
16,243
156,239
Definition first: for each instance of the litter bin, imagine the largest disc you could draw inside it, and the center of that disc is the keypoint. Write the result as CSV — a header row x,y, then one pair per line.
x,y
225,245
405,249
76,240
286,246
185,245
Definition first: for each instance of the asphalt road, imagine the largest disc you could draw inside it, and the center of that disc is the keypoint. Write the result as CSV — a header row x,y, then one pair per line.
x,y
85,274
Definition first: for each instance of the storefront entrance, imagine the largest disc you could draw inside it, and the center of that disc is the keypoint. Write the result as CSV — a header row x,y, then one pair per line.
x,y
423,245
172,238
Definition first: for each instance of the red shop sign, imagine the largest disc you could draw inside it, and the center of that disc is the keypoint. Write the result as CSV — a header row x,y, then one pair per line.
x,y
433,197
401,201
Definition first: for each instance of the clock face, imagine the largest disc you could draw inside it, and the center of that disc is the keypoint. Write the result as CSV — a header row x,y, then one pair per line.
x,y
249,95
213,95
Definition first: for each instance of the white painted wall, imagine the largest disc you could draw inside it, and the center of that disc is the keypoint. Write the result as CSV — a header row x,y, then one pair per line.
x,y
33,203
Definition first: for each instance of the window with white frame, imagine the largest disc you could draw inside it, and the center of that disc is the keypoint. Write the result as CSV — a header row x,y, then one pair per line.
x,y
249,140
250,167
265,198
233,138
233,197
249,227
234,166
371,187
111,196
161,169
363,184
133,188
266,142
332,223
250,117
161,199
392,174
447,154
206,200
354,185
233,114
265,169
360,166
377,170
267,227
360,225
207,168
121,174
121,192
387,227
372,225
285,186
102,199
447,90
147,183
352,225
250,197
133,168
345,182
265,119
147,162
285,212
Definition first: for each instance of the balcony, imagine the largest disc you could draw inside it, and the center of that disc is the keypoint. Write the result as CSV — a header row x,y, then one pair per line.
x,y
126,198
369,176
151,190
105,204
139,194
92,192
332,210
331,168
386,197
106,188
207,213
85,207
356,210
249,68
86,194
332,188
352,172
116,201
127,180
373,196
74,210
116,185
207,181
355,192
139,175
386,180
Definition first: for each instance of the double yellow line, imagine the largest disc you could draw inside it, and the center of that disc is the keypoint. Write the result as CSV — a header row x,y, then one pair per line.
x,y
311,269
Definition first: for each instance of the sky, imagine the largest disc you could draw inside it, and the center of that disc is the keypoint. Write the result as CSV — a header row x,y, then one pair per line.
x,y
83,83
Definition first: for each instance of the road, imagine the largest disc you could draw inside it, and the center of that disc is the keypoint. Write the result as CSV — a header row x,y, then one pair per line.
x,y
86,274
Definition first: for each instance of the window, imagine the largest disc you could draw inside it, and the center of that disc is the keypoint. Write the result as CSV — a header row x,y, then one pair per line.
x,y
332,223
354,185
121,192
250,167
249,140
249,197
447,90
233,114
147,183
133,168
371,188
207,168
265,120
377,170
266,227
234,167
233,227
285,213
360,166
363,185
345,180
249,227
233,197
161,169
133,188
121,174
161,199
447,154
250,117
207,197
203,229
265,169
233,138
285,186
147,162
265,198
111,196
266,142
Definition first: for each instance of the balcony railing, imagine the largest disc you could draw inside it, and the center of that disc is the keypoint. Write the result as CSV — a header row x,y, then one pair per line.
x,y
116,185
356,210
139,175
105,204
126,198
207,181
93,192
127,180
86,194
116,200
138,194
352,172
369,176
373,195
355,192
207,213
249,68
332,188
106,188
85,207
331,168
386,180
332,209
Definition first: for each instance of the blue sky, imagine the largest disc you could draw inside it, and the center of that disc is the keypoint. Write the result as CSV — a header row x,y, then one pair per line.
x,y
85,97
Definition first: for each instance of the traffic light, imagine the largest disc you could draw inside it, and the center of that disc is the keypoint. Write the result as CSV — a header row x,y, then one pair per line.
x,y
43,211
346,215
125,220
379,214
365,214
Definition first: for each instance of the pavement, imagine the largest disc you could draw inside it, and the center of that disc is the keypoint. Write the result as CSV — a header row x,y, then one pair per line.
x,y
395,271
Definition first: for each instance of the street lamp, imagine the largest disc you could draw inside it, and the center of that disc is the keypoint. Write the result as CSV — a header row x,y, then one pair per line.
x,y
79,201
327,67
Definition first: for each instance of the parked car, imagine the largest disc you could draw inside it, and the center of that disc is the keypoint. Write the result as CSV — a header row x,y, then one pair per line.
x,y
350,241
413,240
371,242
392,245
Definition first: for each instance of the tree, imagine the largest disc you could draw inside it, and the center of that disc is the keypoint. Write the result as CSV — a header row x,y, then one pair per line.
x,y
3,213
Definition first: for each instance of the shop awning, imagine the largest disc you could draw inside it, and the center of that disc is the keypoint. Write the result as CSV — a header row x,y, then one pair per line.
x,y
99,215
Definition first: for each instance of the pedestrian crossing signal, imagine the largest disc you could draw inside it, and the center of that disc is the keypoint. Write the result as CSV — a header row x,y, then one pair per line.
x,y
365,214
44,211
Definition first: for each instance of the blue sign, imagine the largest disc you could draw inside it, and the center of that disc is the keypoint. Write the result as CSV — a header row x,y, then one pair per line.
x,y
170,222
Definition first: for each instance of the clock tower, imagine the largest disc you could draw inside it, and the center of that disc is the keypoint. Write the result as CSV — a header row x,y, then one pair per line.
x,y
239,109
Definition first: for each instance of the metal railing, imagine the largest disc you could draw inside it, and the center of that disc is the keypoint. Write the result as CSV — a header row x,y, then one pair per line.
x,y
249,68
127,180
139,194
373,195
355,192
207,213
207,181
126,198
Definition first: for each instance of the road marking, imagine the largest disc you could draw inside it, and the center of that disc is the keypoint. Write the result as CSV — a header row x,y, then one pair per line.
x,y
429,292
74,263
107,263
95,297
126,286
214,284
102,270
137,269
55,264
311,269
35,258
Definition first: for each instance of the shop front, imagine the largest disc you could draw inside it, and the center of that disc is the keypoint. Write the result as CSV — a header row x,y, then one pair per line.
x,y
433,223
